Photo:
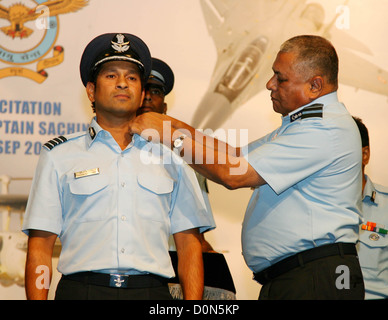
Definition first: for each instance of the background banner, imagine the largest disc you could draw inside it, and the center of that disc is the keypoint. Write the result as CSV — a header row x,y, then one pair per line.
x,y
221,52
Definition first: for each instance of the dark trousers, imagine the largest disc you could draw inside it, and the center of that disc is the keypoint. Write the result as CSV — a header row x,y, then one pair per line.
x,y
323,279
77,290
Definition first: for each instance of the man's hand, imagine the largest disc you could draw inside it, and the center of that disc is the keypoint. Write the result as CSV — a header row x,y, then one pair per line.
x,y
152,126
212,158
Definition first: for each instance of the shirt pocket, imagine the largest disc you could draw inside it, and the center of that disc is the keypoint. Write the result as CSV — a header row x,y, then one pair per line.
x,y
372,247
90,198
154,196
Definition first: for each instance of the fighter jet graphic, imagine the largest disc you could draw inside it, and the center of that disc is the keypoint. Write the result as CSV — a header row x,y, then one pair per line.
x,y
248,36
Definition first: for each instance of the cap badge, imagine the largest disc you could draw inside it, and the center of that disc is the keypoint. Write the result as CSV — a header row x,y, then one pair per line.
x,y
120,45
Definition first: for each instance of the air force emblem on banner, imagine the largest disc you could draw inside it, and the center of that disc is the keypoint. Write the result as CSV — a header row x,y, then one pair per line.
x,y
120,45
22,45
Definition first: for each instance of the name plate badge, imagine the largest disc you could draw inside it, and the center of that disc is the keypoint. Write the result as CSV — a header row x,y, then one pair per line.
x,y
86,173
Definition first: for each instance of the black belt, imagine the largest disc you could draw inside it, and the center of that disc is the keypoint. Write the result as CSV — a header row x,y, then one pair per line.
x,y
118,280
303,257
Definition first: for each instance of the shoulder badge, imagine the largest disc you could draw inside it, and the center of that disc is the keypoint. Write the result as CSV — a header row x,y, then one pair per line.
x,y
51,144
313,111
54,142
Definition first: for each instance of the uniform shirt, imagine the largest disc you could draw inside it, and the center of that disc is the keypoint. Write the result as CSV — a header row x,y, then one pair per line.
x,y
312,166
202,182
373,246
114,209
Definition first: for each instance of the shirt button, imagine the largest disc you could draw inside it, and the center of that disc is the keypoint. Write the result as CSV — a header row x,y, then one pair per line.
x,y
123,218
122,250
123,184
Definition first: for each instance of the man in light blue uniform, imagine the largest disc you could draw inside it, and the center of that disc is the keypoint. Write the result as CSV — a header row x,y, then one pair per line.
x,y
112,200
373,244
218,279
301,224
298,208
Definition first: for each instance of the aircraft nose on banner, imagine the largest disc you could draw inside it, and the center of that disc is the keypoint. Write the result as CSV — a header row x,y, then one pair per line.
x,y
218,104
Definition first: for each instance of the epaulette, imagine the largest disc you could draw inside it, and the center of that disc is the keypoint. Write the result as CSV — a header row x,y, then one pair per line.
x,y
51,144
313,111
54,142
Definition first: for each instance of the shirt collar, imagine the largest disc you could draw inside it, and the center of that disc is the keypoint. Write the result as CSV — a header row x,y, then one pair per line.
x,y
95,131
329,98
325,100
369,191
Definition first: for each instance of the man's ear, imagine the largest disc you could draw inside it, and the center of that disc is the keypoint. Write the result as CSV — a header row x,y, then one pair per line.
x,y
316,85
142,97
90,88
365,155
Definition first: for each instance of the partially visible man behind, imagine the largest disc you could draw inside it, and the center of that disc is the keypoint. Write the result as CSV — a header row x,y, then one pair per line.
x,y
302,221
373,244
219,283
113,212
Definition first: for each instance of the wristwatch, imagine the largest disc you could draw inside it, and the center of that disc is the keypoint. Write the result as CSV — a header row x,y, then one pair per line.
x,y
178,143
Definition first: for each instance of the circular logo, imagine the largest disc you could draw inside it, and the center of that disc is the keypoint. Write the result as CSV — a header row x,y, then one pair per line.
x,y
22,31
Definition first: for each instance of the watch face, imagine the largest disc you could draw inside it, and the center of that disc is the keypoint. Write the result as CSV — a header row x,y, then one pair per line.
x,y
178,143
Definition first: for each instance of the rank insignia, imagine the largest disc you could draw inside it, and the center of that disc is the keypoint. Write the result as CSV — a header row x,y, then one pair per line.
x,y
49,145
313,111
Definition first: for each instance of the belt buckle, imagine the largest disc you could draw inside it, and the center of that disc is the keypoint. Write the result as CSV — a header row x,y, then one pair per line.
x,y
118,280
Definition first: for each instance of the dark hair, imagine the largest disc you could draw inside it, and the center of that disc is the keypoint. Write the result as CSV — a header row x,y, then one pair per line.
x,y
315,56
363,132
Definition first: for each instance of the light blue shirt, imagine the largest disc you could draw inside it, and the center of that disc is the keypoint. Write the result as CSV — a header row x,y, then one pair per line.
x,y
312,166
114,209
373,246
